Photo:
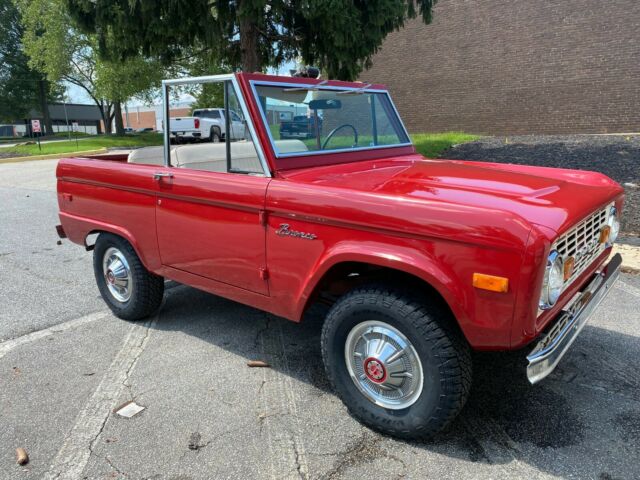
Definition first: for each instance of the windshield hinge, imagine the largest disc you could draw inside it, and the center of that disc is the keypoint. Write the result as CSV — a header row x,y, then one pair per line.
x,y
264,273
357,91
262,217
309,88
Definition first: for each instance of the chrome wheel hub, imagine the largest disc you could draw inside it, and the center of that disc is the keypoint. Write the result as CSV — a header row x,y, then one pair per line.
x,y
383,365
117,274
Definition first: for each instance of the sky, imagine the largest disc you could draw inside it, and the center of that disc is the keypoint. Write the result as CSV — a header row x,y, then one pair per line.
x,y
76,94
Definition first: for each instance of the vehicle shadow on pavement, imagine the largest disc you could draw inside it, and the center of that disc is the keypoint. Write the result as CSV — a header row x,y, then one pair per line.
x,y
583,420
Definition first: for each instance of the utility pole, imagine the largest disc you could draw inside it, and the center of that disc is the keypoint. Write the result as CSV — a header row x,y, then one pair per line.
x,y
126,114
66,117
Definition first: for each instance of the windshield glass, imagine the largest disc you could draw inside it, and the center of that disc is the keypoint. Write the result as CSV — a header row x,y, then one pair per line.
x,y
316,120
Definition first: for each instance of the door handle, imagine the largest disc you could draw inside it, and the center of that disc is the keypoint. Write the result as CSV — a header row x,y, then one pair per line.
x,y
160,175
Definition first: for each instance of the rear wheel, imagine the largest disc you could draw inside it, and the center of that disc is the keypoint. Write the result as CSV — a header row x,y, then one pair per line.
x,y
214,135
394,362
128,288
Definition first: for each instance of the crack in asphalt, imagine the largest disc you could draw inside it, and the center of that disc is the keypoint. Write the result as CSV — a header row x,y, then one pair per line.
x,y
362,450
112,465
136,357
299,458
259,333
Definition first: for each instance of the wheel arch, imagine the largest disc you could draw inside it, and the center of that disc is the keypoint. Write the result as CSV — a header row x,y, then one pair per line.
x,y
341,272
89,242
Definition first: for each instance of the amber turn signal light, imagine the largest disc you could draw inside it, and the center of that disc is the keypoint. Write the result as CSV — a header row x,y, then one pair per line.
x,y
490,282
569,263
604,234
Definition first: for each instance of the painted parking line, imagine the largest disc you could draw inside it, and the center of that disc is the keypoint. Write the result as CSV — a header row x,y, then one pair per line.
x,y
72,458
8,345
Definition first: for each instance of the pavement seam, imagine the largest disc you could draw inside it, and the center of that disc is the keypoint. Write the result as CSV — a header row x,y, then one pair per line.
x,y
8,345
76,450
298,444
627,288
287,457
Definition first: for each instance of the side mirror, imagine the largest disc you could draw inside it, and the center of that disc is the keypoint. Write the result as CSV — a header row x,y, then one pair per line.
x,y
327,104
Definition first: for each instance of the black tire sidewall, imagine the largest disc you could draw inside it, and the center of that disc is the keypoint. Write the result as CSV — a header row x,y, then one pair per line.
x,y
213,135
408,422
104,243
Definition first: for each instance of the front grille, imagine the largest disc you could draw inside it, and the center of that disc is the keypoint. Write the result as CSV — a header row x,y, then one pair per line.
x,y
582,242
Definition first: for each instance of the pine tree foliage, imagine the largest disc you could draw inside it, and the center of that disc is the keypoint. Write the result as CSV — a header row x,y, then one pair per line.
x,y
340,36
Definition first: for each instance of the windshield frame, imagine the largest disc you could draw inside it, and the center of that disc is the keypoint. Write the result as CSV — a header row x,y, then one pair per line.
x,y
314,86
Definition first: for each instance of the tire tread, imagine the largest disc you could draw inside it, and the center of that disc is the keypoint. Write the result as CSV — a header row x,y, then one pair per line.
x,y
149,288
448,345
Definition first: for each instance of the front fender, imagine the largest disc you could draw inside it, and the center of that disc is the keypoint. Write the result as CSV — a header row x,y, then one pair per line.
x,y
419,264
485,317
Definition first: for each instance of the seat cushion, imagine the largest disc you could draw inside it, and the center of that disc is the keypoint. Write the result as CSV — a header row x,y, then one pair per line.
x,y
290,146
147,155
212,156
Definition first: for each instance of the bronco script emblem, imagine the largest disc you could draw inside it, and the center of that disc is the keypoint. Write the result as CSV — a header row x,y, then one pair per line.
x,y
284,231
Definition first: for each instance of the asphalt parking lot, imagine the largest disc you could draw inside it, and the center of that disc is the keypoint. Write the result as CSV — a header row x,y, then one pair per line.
x,y
66,363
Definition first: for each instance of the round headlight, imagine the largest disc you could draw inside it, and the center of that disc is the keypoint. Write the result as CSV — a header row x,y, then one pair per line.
x,y
614,224
553,281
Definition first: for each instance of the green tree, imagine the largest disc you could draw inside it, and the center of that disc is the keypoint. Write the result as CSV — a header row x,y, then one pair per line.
x,y
62,52
120,81
340,36
201,62
21,87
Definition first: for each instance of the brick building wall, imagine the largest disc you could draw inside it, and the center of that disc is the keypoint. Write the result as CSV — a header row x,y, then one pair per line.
x,y
517,66
145,117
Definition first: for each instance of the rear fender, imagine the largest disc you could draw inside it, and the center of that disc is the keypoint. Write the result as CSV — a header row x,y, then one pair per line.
x,y
78,229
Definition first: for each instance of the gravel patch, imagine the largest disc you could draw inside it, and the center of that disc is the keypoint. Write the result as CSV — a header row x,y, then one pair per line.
x,y
617,156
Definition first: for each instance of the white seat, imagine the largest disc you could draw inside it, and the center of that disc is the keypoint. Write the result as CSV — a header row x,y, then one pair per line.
x,y
212,156
290,146
147,155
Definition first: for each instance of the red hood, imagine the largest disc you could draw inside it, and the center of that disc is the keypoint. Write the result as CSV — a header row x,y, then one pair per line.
x,y
552,197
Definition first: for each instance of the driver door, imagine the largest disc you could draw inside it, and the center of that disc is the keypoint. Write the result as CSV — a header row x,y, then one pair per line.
x,y
208,211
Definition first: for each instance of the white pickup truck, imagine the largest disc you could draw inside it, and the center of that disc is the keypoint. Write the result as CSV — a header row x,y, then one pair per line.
x,y
206,124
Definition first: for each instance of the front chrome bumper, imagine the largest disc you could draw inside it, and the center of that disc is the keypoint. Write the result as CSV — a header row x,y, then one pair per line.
x,y
555,343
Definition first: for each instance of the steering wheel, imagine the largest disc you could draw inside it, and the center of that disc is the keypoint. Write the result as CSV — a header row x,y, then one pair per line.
x,y
333,132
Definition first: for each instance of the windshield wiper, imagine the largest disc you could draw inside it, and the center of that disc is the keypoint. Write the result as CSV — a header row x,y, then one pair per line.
x,y
357,91
311,88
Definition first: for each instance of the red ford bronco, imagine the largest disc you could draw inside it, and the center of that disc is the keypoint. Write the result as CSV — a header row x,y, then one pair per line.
x,y
422,260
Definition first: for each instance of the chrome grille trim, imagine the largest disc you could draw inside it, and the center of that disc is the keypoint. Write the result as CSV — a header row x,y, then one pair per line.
x,y
582,242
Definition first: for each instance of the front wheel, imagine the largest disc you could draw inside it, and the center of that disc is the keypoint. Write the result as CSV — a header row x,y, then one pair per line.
x,y
127,287
395,363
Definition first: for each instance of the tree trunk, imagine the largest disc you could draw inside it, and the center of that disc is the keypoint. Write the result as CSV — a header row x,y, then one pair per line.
x,y
43,88
107,116
117,111
104,118
249,54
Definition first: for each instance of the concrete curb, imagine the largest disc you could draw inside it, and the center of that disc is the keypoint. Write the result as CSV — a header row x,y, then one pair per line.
x,y
630,257
51,156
